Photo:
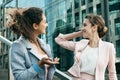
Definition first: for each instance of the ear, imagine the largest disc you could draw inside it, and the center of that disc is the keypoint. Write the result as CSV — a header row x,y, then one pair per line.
x,y
94,28
35,26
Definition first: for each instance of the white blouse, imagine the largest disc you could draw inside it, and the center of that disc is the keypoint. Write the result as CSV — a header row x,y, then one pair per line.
x,y
89,60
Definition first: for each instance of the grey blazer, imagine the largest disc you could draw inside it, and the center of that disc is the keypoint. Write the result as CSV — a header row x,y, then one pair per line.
x,y
23,56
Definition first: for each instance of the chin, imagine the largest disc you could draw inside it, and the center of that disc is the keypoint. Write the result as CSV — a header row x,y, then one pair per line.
x,y
85,36
44,32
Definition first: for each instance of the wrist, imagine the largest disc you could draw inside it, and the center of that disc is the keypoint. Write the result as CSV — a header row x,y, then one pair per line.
x,y
40,63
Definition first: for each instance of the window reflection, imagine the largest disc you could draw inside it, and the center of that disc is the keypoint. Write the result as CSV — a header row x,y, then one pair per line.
x,y
83,2
117,26
83,14
91,10
76,3
99,11
118,48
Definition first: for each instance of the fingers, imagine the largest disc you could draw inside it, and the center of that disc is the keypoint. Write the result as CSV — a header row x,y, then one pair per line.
x,y
49,61
56,60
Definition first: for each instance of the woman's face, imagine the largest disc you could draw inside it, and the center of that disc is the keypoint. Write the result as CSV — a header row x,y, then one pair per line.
x,y
41,27
87,29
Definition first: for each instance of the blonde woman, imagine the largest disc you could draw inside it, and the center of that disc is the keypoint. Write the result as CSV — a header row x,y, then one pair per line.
x,y
92,55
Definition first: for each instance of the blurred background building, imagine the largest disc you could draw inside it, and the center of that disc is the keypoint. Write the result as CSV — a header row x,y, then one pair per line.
x,y
63,16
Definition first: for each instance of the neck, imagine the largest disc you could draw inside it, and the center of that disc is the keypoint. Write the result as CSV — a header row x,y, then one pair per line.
x,y
94,41
34,40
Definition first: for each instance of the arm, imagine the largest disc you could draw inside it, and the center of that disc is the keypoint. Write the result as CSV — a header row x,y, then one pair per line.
x,y
62,40
72,35
18,64
111,64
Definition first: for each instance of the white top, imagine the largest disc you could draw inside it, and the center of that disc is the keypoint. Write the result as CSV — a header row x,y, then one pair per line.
x,y
89,58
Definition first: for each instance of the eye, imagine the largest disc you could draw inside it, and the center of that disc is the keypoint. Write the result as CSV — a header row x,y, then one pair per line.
x,y
84,25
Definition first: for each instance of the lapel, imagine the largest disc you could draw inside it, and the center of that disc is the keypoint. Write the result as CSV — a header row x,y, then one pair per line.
x,y
79,47
100,49
45,47
32,50
101,53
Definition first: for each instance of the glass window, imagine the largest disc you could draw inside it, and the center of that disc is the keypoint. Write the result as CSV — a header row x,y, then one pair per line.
x,y
83,14
76,3
60,22
91,10
12,4
117,26
48,13
69,18
54,11
62,9
99,9
59,17
118,48
82,2
89,1
114,6
77,19
68,5
30,3
47,2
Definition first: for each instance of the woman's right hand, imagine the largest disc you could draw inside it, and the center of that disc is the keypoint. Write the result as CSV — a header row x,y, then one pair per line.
x,y
48,61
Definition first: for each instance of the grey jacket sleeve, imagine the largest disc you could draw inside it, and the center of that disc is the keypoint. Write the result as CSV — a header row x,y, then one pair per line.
x,y
18,61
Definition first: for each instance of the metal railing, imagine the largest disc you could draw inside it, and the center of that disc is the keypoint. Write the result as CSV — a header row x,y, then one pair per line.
x,y
58,73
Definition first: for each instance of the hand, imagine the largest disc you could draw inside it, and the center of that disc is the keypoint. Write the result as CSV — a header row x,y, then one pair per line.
x,y
48,61
82,30
56,60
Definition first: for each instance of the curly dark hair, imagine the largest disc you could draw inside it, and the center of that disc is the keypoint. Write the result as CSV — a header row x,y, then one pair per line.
x,y
22,21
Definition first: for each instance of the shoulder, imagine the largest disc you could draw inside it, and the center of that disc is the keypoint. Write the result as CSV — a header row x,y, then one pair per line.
x,y
18,46
109,44
18,43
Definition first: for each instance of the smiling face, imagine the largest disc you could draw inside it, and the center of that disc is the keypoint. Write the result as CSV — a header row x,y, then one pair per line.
x,y
41,27
87,29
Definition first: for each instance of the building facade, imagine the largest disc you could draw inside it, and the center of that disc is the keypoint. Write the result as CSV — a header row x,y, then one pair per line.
x,y
65,16
60,20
